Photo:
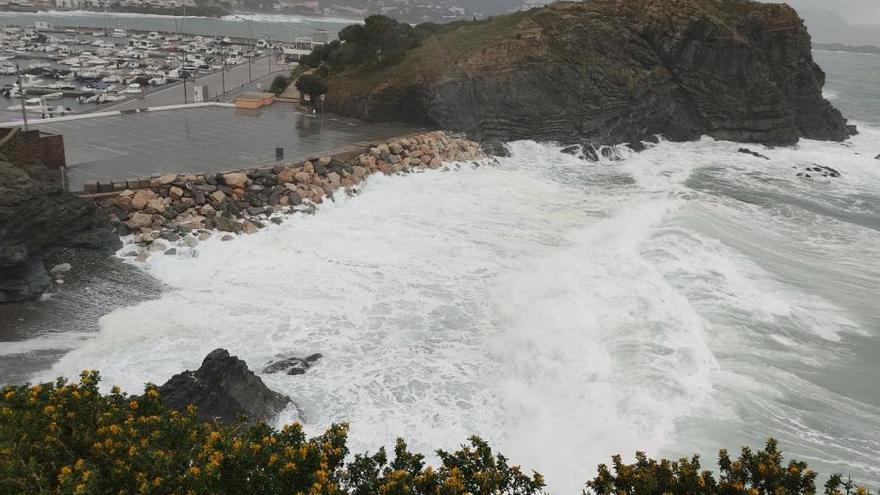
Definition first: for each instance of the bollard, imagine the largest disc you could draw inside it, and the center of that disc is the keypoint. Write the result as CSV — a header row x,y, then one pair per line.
x,y
279,154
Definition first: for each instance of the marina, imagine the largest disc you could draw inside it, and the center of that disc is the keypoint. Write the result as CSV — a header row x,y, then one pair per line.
x,y
83,70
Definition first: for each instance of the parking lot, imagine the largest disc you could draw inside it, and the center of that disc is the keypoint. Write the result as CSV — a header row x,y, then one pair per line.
x,y
206,139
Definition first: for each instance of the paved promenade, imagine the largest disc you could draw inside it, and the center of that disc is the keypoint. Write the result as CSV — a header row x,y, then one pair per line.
x,y
205,139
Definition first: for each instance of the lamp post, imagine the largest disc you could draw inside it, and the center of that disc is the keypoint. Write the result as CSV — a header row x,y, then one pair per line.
x,y
184,77
21,97
223,70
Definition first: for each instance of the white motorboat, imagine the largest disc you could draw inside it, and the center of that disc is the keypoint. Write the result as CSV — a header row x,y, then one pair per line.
x,y
54,96
133,89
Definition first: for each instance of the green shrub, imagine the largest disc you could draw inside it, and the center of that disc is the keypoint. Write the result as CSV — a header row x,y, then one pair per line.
x,y
279,84
379,41
312,85
66,438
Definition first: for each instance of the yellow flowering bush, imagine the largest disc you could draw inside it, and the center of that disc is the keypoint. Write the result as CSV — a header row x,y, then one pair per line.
x,y
758,473
67,438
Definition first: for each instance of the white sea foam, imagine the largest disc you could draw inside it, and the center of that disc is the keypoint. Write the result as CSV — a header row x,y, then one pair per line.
x,y
682,298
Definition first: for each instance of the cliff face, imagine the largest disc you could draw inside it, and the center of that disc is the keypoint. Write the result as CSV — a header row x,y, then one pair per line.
x,y
35,217
608,71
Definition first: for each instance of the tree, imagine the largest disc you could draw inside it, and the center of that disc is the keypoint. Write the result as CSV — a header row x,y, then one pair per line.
x,y
312,85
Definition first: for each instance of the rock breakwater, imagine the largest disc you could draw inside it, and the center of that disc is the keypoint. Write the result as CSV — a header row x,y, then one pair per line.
x,y
179,211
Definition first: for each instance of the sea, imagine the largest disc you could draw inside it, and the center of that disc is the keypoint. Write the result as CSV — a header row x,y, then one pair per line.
x,y
676,301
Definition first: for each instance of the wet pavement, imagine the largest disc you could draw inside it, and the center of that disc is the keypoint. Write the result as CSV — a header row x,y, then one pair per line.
x,y
204,139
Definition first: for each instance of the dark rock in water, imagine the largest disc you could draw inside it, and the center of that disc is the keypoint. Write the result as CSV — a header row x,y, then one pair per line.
x,y
171,252
852,130
877,157
276,220
170,236
292,365
223,388
637,146
609,153
572,150
590,153
496,148
598,70
24,280
753,153
36,217
825,171
226,224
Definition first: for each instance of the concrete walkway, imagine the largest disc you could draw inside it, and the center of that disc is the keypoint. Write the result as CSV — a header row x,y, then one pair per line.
x,y
202,139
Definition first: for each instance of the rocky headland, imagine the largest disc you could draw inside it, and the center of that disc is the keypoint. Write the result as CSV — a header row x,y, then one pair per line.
x,y
606,72
37,219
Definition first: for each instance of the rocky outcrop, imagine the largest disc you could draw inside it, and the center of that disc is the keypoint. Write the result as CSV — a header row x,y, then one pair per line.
x,y
292,365
223,389
36,217
178,211
607,72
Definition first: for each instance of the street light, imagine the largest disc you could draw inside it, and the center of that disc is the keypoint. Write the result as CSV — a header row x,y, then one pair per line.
x,y
21,97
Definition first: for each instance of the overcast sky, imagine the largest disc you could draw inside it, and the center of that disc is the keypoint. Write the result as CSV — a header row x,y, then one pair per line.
x,y
851,11
852,22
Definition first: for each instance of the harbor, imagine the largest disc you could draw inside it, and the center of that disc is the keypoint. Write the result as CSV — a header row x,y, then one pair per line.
x,y
48,71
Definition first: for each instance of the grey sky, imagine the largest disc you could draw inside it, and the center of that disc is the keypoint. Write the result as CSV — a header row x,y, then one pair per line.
x,y
852,22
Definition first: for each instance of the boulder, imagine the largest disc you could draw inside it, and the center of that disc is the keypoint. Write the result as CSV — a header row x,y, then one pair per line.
x,y
176,193
225,224
285,176
156,205
139,221
218,197
753,153
236,179
166,179
61,268
141,198
223,389
250,228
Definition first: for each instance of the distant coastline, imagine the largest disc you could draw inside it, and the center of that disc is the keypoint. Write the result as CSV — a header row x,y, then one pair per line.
x,y
839,47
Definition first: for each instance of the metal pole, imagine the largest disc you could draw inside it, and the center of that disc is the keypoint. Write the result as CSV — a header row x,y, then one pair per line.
x,y
21,97
185,72
223,71
251,51
269,42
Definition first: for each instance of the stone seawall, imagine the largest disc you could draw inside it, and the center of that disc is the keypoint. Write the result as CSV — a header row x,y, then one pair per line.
x,y
178,211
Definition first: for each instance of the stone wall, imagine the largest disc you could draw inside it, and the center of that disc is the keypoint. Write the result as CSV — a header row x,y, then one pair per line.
x,y
175,212
32,146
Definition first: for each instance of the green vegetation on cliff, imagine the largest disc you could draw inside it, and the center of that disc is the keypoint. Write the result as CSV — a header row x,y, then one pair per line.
x,y
603,71
68,438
